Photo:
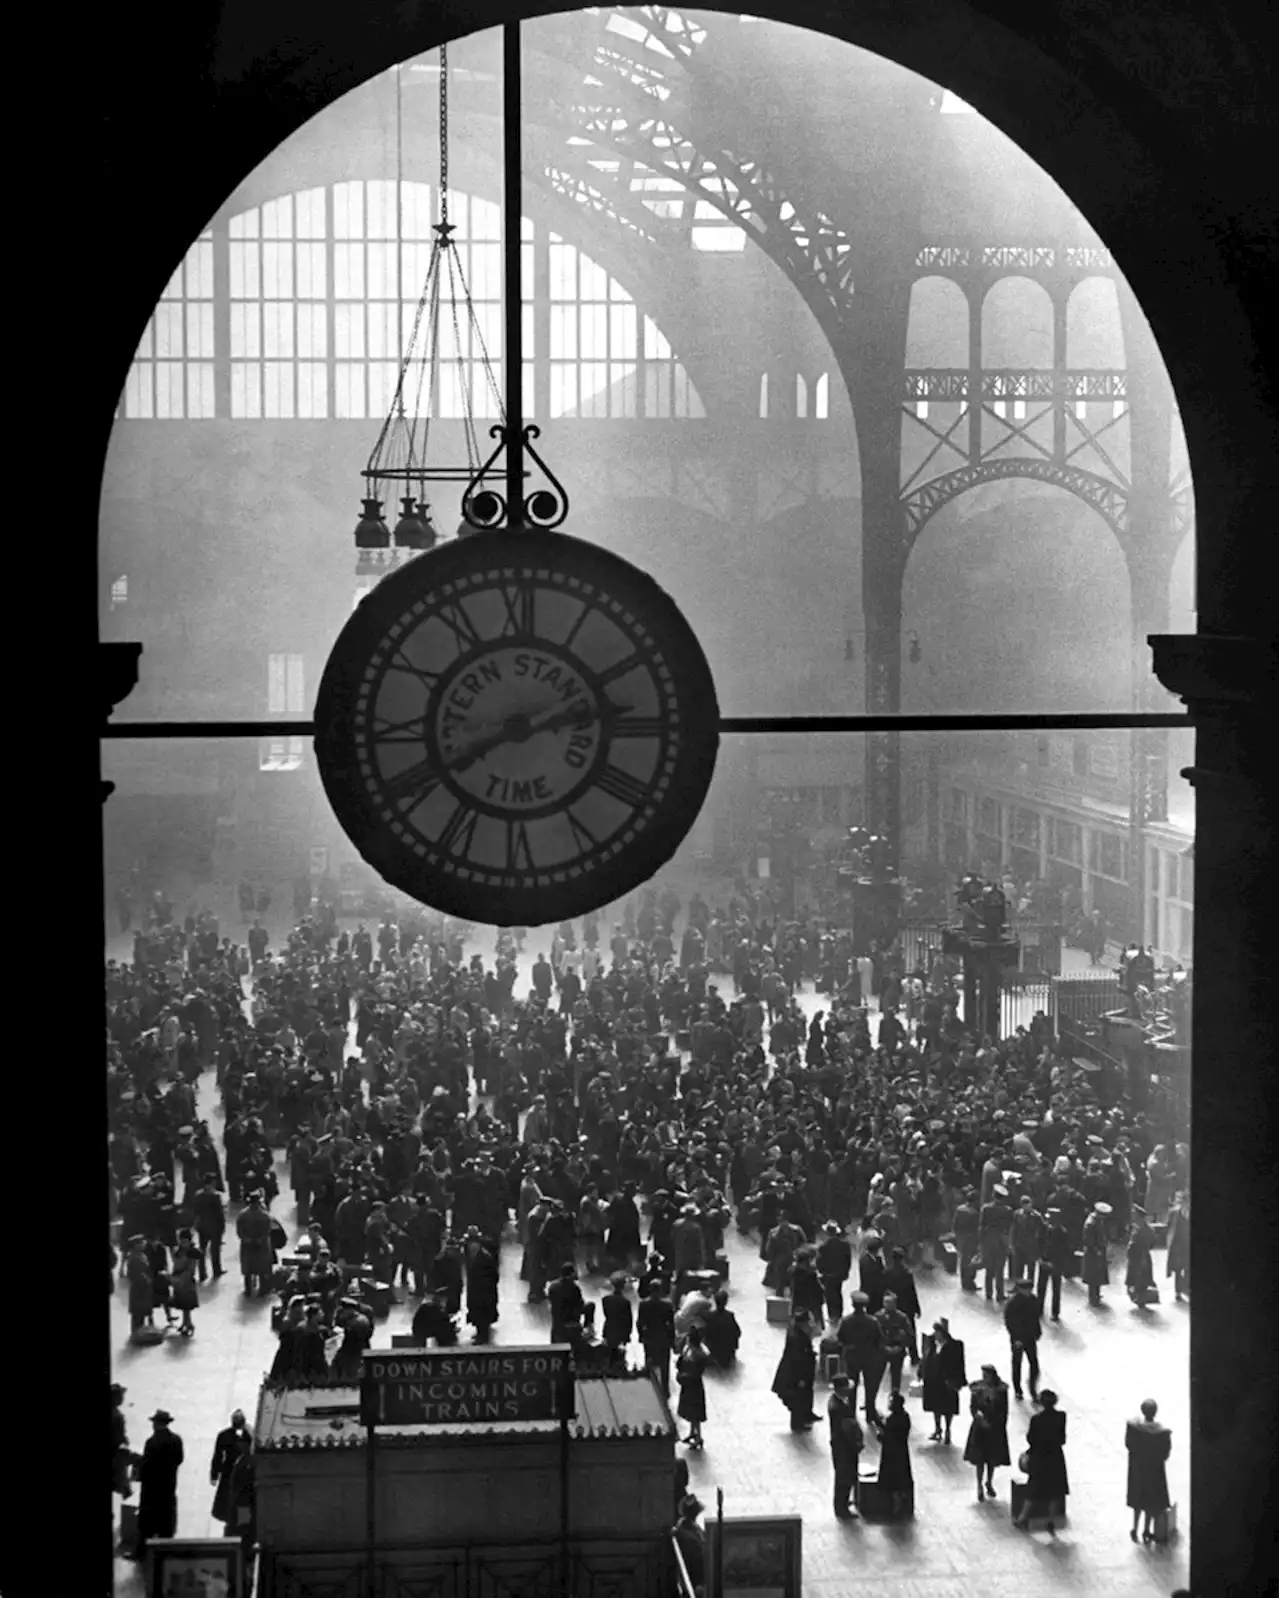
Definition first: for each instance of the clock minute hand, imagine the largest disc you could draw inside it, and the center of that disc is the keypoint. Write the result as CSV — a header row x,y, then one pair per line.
x,y
573,717
512,730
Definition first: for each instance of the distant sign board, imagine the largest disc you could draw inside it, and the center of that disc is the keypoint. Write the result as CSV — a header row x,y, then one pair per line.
x,y
461,1386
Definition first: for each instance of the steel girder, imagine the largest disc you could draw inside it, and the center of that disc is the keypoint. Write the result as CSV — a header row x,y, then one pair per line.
x,y
1108,499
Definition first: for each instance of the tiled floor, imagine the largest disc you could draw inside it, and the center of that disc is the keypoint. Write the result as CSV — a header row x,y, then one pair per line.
x,y
1101,1362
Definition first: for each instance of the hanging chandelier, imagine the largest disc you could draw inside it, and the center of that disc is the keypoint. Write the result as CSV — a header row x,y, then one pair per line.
x,y
400,466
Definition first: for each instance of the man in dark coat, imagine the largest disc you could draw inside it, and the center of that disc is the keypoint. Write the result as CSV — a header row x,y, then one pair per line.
x,y
835,1261
871,1278
482,1287
567,1303
1022,1322
899,1281
859,1338
226,1450
994,1221
210,1221
257,1255
1055,1250
965,1225
1096,1273
656,1327
162,1455
846,1444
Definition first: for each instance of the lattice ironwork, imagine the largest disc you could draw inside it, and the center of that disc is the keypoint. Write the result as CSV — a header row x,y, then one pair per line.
x,y
950,384
637,221
1109,500
1017,257
1182,510
814,251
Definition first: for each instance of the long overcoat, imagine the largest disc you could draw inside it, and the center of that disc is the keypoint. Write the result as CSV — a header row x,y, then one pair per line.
x,y
1046,1464
253,1228
988,1440
1095,1272
1148,1444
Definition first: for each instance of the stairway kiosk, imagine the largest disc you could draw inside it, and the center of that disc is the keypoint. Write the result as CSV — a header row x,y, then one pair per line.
x,y
464,1458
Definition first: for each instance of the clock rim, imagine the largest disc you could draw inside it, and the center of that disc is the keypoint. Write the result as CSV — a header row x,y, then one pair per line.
x,y
637,862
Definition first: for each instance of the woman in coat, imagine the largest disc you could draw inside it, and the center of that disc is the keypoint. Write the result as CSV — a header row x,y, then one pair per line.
x,y
1095,1273
137,1268
183,1292
722,1333
1178,1246
693,1393
942,1373
988,1442
1139,1278
793,1380
1046,1463
286,1362
806,1287
895,1476
1148,1444
623,1245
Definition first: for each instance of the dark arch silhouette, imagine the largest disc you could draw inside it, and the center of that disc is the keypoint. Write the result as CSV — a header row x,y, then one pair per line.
x,y
1110,501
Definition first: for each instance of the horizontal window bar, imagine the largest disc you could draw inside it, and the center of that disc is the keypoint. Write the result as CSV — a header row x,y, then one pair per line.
x,y
728,724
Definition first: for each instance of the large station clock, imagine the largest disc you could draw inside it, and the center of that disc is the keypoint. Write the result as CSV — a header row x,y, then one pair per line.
x,y
517,728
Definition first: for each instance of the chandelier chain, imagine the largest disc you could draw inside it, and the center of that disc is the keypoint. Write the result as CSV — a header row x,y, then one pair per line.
x,y
444,134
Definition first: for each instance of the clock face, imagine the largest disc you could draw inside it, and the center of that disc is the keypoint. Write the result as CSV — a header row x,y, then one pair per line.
x,y
517,727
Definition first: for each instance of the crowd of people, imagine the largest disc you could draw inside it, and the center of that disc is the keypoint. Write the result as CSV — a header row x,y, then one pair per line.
x,y
425,1108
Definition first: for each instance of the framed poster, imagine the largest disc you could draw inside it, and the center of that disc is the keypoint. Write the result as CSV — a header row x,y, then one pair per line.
x,y
189,1567
761,1557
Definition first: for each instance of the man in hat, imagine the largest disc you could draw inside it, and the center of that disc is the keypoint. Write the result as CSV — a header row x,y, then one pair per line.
x,y
846,1444
655,1326
1095,1272
226,1451
859,1337
1022,1322
1024,1237
1055,1251
994,1221
965,1226
895,1338
567,1303
162,1454
834,1261
257,1255
210,1220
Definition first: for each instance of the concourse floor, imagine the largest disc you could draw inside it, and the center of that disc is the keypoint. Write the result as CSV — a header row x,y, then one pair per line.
x,y
1101,1362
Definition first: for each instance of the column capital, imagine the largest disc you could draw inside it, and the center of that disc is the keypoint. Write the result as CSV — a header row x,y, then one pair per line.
x,y
1203,669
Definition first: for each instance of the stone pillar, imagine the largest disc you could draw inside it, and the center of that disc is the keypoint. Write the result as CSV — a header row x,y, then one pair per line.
x,y
1228,683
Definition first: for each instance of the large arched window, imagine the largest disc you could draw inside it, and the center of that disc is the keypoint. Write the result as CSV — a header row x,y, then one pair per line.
x,y
299,309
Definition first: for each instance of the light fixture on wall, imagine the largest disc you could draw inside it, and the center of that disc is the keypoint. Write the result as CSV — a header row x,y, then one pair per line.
x,y
913,648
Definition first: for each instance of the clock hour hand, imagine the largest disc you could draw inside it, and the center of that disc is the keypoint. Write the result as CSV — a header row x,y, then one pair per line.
x,y
495,733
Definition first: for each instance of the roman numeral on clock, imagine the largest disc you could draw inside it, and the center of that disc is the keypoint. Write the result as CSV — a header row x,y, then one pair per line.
x,y
621,785
519,600
620,668
519,854
585,839
459,831
401,663
397,732
635,727
463,628
414,784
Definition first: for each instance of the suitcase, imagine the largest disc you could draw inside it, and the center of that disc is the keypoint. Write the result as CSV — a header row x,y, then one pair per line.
x,y
950,1258
875,1504
830,1359
1054,1510
684,1040
777,1310
1165,1525
380,1295
128,1541
1075,1270
722,1269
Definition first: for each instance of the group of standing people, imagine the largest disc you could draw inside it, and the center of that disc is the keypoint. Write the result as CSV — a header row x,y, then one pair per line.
x,y
623,1082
